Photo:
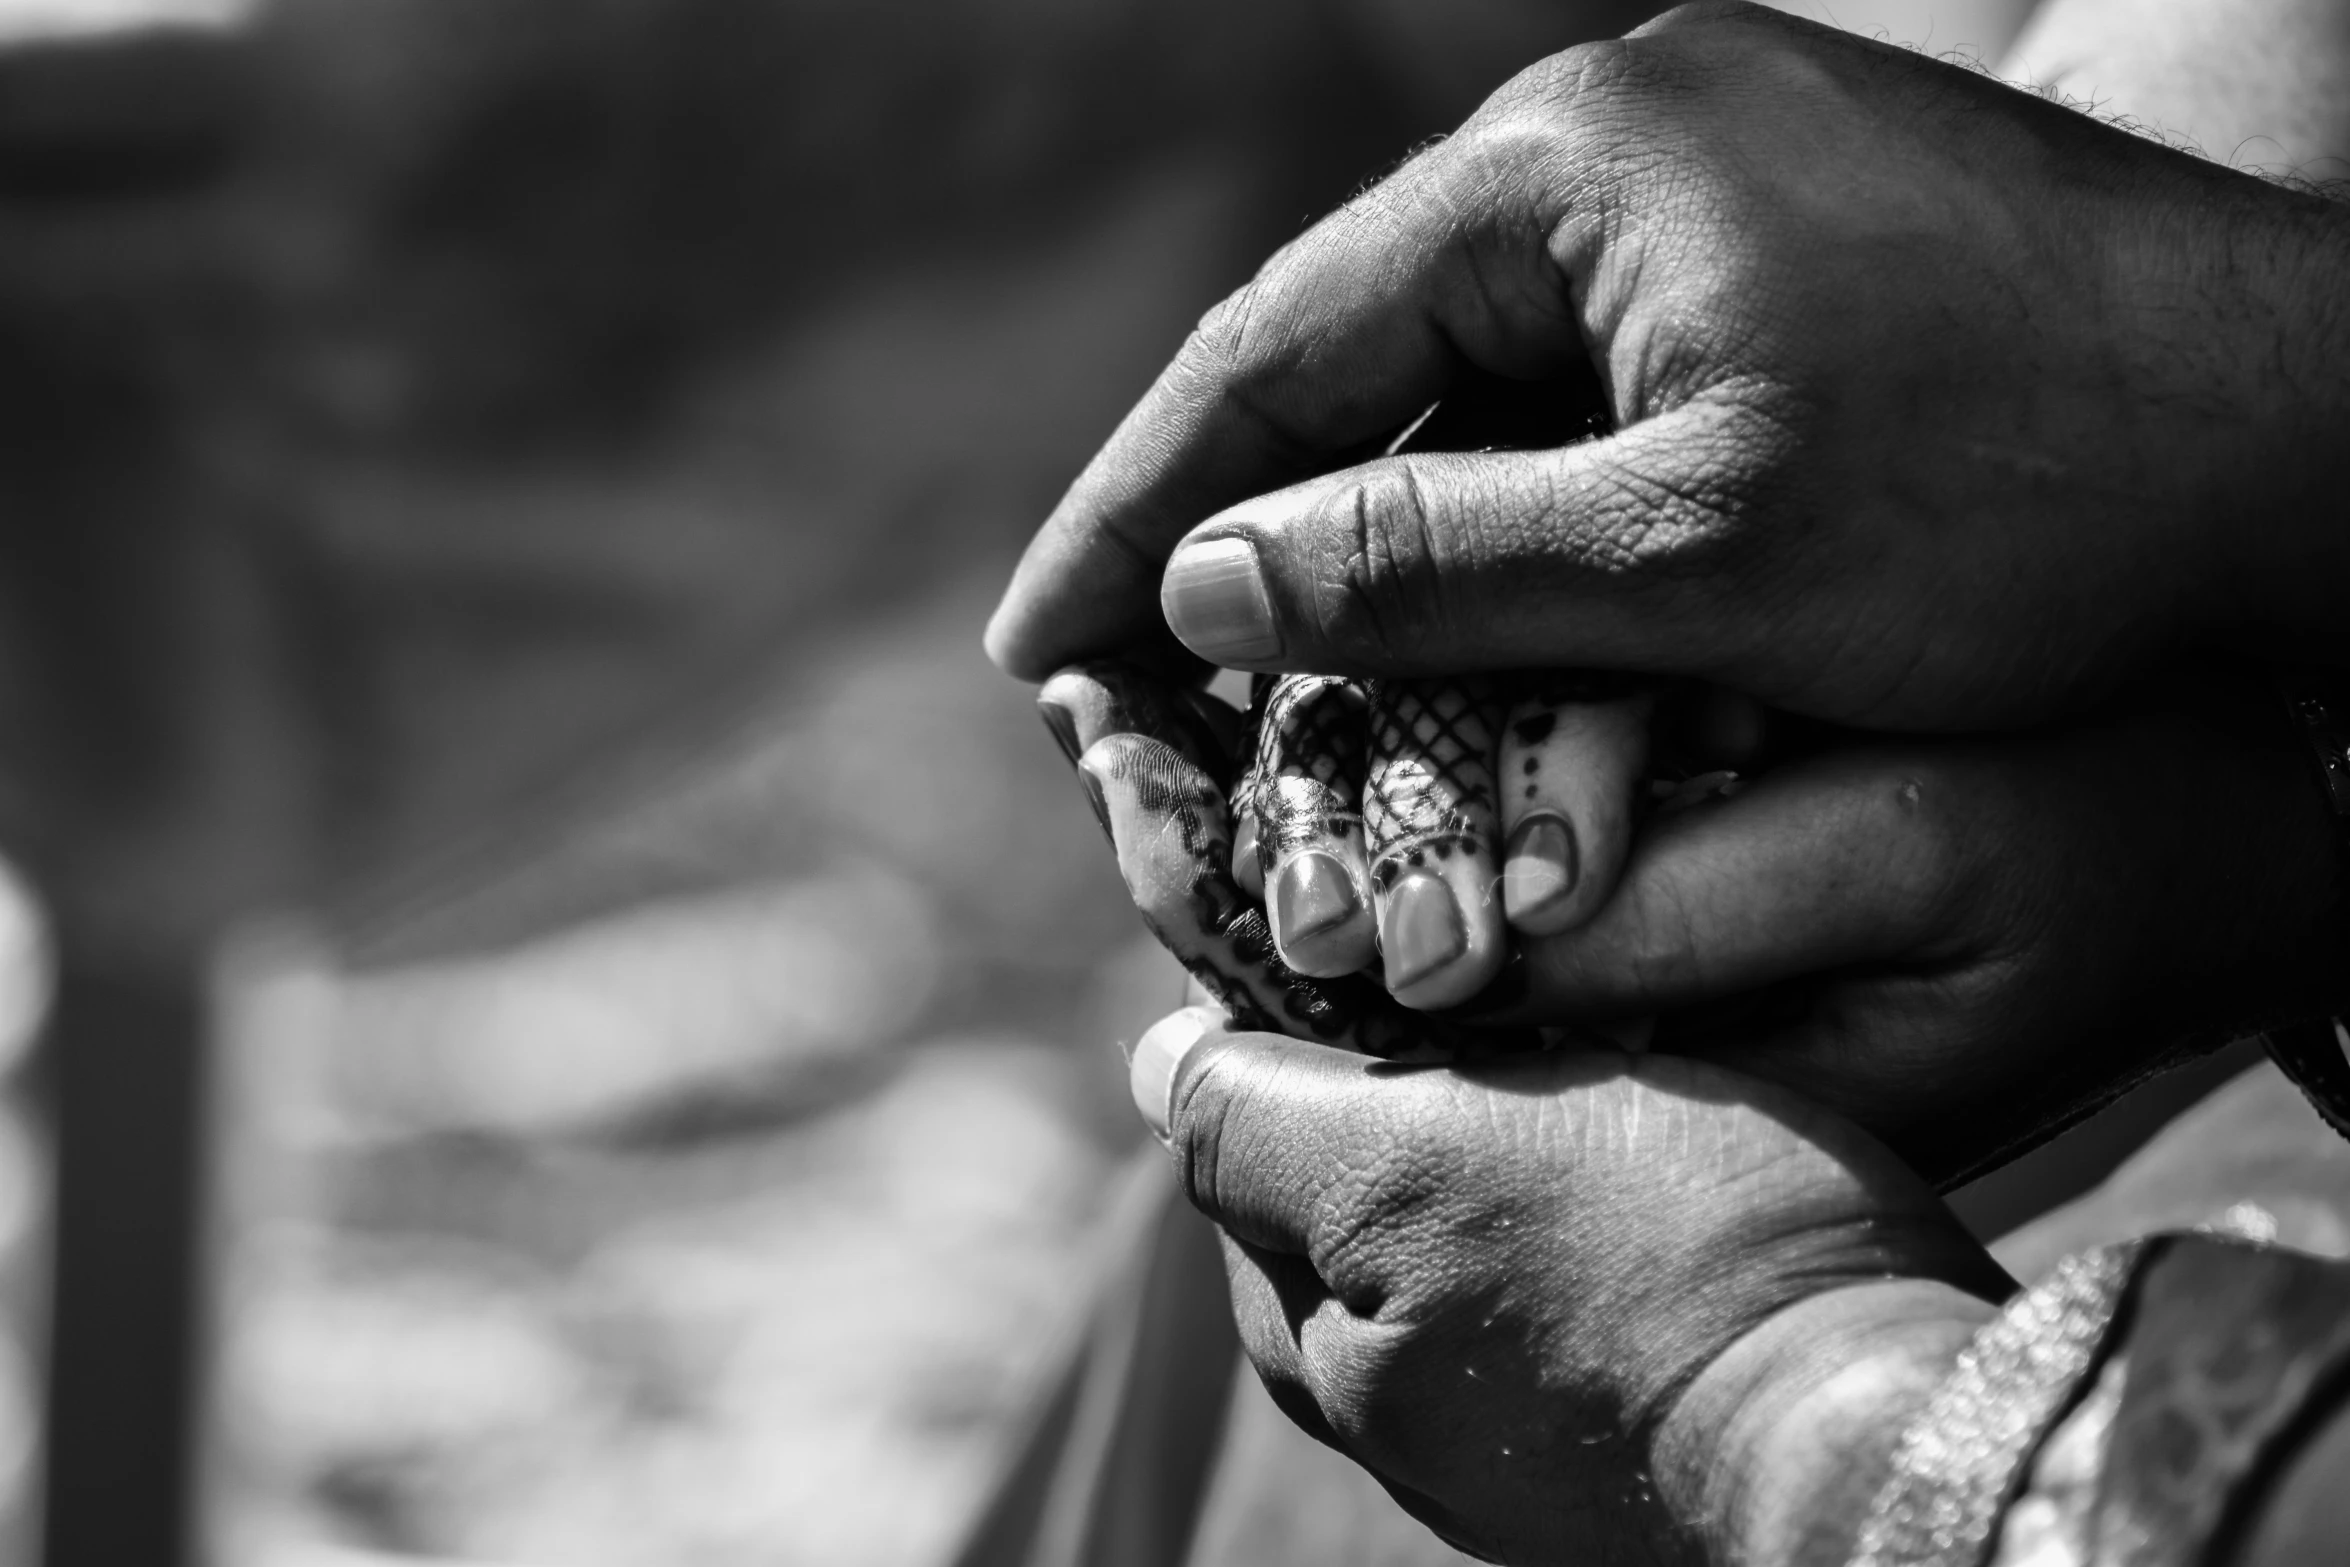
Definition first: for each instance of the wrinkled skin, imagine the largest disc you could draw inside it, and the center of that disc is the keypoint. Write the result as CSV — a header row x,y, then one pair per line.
x,y
1960,944
1493,1286
1936,405
1965,943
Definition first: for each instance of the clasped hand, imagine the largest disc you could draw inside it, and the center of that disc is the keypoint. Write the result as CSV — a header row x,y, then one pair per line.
x,y
1937,409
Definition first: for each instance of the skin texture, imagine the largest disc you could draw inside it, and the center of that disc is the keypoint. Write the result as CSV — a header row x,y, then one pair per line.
x,y
1948,941
1963,943
1501,1289
2096,480
1150,758
1936,404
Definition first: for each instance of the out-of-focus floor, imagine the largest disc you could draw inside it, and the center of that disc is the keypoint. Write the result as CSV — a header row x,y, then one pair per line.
x,y
733,1226
713,1185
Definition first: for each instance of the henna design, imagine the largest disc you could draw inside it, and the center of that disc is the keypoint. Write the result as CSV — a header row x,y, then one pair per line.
x,y
1167,822
1430,808
1429,793
1573,752
1304,791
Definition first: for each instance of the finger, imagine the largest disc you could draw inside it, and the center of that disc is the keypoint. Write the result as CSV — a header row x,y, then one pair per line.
x,y
1090,702
1264,1130
1344,337
1274,1296
1606,554
1310,758
1842,860
1248,867
1428,806
1167,824
1574,753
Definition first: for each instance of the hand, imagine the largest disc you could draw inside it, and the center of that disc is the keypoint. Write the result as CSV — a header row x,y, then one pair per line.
x,y
1937,404
1961,944
1570,1307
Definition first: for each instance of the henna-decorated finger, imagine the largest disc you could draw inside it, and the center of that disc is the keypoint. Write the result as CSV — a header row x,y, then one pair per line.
x,y
1167,822
1307,803
1573,755
1429,807
1085,702
1248,863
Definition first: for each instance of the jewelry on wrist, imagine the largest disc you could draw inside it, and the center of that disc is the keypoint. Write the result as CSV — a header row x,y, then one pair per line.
x,y
2120,1412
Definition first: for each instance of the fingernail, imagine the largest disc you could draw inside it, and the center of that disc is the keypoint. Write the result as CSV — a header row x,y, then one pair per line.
x,y
1098,800
1247,870
1420,929
1319,921
1312,894
1063,725
1539,867
1150,1074
1214,598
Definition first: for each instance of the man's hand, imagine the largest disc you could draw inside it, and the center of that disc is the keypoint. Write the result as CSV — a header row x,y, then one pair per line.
x,y
1576,1307
1963,943
1938,405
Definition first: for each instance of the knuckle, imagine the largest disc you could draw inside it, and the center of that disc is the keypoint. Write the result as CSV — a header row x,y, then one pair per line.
x,y
1366,1391
1383,588
1230,344
1572,77
1703,13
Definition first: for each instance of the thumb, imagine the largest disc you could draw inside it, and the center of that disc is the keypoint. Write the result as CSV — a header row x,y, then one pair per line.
x,y
1610,553
1258,1124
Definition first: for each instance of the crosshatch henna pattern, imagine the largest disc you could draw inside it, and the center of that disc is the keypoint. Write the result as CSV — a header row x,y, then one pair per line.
x,y
1429,792
1165,815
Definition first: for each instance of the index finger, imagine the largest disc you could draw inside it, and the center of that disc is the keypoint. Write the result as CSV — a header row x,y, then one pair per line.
x,y
1346,336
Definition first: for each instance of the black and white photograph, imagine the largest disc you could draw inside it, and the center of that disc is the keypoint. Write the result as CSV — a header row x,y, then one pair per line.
x,y
1114,783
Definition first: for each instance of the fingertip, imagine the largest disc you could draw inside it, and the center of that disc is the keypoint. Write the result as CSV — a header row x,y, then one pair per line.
x,y
1541,871
1217,600
1321,921
1001,645
1159,1055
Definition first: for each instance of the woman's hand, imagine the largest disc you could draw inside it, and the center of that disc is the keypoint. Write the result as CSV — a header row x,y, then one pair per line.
x,y
1936,405
1572,1307
1960,943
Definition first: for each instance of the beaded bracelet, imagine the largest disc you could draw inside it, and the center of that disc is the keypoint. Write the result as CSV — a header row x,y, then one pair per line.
x,y
2119,1414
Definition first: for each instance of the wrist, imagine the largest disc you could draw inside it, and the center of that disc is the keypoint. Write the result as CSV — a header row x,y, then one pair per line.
x,y
2251,324
1777,1449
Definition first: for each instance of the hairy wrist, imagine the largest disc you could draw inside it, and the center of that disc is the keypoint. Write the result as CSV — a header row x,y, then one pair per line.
x,y
2238,299
1775,1452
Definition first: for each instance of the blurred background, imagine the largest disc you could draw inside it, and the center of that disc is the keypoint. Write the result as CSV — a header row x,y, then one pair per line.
x,y
580,1012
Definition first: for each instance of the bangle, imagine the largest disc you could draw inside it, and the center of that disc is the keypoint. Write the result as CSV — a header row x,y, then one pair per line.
x,y
2312,1054
1957,1463
2122,1412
